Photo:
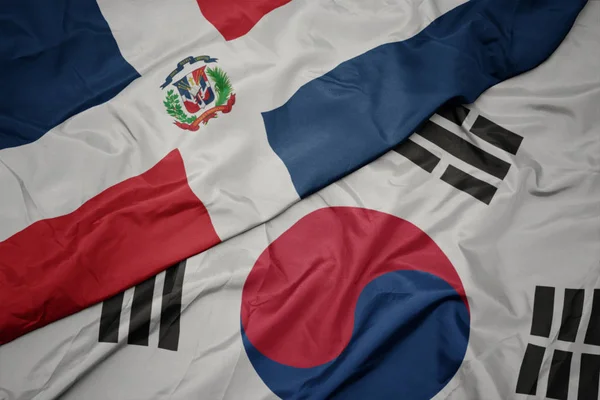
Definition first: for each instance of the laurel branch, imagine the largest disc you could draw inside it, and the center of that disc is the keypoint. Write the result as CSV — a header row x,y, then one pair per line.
x,y
175,109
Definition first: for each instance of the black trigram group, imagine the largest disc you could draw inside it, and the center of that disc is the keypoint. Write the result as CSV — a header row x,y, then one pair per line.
x,y
464,150
560,366
141,310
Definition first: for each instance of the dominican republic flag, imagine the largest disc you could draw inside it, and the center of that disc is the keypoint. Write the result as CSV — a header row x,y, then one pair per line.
x,y
462,264
110,173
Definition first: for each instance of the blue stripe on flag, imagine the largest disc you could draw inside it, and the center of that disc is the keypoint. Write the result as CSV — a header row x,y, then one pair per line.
x,y
367,105
57,58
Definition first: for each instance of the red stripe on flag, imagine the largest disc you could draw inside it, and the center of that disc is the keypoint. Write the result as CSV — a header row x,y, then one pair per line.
x,y
235,18
124,235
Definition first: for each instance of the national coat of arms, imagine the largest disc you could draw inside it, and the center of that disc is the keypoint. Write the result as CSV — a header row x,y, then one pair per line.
x,y
197,93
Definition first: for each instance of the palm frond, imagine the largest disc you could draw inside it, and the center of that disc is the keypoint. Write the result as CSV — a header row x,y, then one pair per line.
x,y
222,84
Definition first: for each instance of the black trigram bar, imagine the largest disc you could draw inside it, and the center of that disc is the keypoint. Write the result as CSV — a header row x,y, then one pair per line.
x,y
464,150
571,315
418,155
496,135
477,188
558,379
141,312
171,307
453,113
589,377
110,319
592,335
543,308
530,370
